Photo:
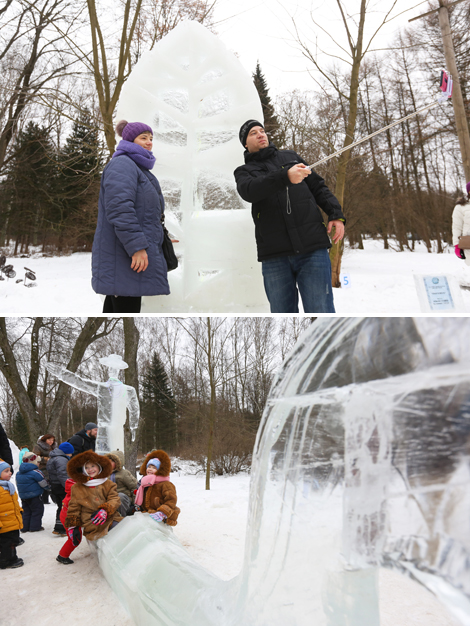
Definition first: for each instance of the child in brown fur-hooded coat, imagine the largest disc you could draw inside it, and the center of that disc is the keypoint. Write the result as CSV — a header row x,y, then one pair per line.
x,y
156,494
94,499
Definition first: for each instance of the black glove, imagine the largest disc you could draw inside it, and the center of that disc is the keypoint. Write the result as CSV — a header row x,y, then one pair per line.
x,y
75,534
132,509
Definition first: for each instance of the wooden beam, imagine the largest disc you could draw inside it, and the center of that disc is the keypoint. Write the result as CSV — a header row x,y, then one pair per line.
x,y
434,11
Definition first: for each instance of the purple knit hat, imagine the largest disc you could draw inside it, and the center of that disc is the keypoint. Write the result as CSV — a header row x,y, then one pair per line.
x,y
468,187
130,130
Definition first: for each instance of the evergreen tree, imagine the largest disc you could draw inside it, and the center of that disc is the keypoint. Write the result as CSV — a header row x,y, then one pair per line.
x,y
28,188
159,409
19,432
80,165
271,123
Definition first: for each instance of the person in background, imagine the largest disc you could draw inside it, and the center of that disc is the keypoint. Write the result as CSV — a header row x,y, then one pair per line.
x,y
85,439
57,468
31,483
126,483
10,520
94,500
5,450
43,448
461,225
127,256
23,451
156,494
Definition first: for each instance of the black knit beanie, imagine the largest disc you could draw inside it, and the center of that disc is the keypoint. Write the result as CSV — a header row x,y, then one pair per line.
x,y
245,129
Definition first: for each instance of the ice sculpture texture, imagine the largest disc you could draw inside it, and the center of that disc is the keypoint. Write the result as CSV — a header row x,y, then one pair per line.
x,y
114,398
361,462
195,94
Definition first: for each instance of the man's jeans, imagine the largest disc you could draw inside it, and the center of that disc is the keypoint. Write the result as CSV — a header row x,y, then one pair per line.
x,y
311,273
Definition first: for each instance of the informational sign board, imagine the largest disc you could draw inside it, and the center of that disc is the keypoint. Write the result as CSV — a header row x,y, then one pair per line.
x,y
439,294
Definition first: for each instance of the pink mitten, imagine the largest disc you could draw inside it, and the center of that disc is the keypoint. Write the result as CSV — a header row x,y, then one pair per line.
x,y
158,516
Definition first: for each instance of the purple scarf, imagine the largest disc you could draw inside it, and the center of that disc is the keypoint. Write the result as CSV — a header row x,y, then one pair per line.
x,y
140,155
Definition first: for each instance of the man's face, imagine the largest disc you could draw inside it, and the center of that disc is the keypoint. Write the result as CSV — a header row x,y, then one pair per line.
x,y
256,139
93,433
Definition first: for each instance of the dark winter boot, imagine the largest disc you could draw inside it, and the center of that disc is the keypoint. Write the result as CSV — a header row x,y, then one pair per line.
x,y
15,564
63,559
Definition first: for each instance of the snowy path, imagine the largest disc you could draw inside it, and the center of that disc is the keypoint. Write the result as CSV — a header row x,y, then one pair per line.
x,y
212,528
382,283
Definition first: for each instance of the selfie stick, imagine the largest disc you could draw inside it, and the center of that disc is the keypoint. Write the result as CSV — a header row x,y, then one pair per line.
x,y
446,81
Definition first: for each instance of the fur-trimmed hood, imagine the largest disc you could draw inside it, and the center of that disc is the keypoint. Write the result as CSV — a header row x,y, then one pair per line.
x,y
165,463
74,466
117,458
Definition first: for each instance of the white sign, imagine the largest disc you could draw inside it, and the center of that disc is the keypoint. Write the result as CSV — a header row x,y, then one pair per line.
x,y
439,294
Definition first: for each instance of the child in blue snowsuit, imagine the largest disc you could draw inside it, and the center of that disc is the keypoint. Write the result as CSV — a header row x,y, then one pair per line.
x,y
31,483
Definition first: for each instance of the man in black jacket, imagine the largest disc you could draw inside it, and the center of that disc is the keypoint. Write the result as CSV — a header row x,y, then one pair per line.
x,y
85,439
291,235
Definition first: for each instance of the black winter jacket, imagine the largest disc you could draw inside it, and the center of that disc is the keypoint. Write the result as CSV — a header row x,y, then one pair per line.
x,y
57,467
286,216
82,442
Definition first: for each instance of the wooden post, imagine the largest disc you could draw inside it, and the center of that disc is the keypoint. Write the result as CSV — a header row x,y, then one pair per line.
x,y
457,99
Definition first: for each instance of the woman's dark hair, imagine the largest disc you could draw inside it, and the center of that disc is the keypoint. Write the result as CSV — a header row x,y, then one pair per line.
x,y
46,437
463,200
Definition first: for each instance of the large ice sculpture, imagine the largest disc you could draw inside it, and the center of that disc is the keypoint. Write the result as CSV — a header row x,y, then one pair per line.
x,y
195,94
361,462
114,397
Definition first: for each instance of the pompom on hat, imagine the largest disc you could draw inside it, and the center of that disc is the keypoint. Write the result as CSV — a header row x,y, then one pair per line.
x,y
130,130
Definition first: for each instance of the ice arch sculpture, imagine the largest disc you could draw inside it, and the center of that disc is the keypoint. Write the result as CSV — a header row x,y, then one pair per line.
x,y
114,398
361,462
195,94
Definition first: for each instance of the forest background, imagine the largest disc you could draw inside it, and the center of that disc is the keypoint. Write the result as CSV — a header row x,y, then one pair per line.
x,y
63,65
202,382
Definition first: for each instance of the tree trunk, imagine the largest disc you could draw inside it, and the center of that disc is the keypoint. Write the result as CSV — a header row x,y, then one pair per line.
x,y
457,99
212,404
336,252
131,377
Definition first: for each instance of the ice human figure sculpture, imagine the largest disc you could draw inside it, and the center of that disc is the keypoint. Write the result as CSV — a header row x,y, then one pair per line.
x,y
114,397
361,462
195,95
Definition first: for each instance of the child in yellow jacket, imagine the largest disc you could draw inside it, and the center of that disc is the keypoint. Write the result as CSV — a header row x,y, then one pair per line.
x,y
10,520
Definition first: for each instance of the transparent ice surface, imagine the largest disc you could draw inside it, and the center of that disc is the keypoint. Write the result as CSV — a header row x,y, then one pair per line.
x,y
361,462
195,95
114,398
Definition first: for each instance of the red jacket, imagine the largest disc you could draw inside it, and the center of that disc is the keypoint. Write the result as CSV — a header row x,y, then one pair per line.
x,y
65,502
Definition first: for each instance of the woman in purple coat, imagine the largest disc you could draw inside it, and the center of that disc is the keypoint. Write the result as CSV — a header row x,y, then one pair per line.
x,y
127,257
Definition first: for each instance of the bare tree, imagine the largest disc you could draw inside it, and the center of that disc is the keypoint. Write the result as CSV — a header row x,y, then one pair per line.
x,y
38,421
140,25
354,54
32,56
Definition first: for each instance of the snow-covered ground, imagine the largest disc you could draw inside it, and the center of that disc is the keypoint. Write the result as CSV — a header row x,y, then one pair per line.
x,y
211,526
382,283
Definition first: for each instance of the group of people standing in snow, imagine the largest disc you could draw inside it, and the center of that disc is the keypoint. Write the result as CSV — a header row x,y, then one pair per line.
x,y
93,492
